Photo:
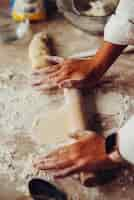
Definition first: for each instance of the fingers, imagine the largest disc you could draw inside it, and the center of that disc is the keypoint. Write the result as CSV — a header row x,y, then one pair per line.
x,y
66,84
51,75
72,80
39,79
46,88
57,77
66,172
69,83
60,79
55,160
48,79
47,70
69,170
81,134
44,85
55,59
56,83
56,154
62,74
57,63
53,164
56,74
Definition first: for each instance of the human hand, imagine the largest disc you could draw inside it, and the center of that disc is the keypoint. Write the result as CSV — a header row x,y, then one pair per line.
x,y
87,154
65,73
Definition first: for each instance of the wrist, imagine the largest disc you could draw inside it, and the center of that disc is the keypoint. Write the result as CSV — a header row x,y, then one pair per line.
x,y
95,69
92,64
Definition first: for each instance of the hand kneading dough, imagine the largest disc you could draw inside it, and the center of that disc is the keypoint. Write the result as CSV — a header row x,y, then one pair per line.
x,y
38,50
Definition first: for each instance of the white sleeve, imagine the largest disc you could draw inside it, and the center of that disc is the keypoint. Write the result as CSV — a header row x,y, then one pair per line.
x,y
118,27
126,141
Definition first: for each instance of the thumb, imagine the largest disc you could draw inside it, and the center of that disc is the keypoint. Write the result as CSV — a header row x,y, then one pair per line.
x,y
71,84
54,59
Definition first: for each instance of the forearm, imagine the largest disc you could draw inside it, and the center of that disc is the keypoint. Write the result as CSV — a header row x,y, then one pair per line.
x,y
105,57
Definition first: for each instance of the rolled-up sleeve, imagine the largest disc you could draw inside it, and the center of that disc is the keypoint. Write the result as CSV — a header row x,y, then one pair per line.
x,y
120,26
126,141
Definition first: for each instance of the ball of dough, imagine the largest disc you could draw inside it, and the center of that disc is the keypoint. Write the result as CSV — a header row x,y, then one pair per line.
x,y
38,50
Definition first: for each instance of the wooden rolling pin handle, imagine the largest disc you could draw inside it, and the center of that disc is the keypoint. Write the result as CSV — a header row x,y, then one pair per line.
x,y
74,109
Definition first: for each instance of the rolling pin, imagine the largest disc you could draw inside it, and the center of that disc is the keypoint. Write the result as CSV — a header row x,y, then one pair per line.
x,y
74,110
74,100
